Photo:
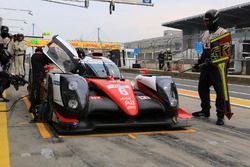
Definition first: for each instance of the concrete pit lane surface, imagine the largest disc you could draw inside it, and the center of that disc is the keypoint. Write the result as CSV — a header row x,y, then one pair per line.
x,y
204,144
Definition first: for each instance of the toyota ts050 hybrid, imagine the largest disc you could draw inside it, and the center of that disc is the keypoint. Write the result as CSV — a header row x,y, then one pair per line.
x,y
90,93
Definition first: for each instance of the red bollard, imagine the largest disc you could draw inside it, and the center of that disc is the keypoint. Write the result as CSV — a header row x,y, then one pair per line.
x,y
181,68
144,70
170,68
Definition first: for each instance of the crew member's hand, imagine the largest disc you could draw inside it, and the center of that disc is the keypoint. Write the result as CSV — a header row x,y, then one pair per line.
x,y
11,75
207,62
48,68
196,66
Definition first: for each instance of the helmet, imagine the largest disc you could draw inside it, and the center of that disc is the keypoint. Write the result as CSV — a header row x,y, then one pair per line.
x,y
80,52
20,37
39,49
15,37
4,31
211,18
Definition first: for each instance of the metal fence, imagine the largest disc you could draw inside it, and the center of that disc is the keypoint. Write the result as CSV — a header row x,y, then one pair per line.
x,y
185,55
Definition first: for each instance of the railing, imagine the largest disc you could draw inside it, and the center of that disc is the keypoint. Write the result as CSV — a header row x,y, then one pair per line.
x,y
237,66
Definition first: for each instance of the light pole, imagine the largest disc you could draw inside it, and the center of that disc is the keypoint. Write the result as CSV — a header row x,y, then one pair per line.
x,y
98,34
33,29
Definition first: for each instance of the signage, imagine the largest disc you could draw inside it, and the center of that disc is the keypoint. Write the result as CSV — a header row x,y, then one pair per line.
x,y
146,1
136,51
46,34
76,44
198,48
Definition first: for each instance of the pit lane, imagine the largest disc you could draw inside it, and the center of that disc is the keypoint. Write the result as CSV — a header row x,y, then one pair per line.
x,y
204,145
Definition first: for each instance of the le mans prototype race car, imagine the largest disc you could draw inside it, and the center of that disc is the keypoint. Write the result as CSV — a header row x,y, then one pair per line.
x,y
91,93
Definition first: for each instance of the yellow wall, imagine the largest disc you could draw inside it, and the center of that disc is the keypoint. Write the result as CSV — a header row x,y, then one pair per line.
x,y
88,45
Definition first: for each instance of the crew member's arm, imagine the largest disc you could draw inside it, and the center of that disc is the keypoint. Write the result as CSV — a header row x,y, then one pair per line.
x,y
15,48
4,74
22,46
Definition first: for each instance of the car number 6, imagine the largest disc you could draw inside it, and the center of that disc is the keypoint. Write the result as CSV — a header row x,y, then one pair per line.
x,y
123,90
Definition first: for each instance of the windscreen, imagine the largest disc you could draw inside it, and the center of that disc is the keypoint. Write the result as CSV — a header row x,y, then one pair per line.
x,y
101,69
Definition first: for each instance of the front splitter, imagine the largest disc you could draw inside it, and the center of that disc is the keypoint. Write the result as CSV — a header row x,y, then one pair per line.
x,y
117,127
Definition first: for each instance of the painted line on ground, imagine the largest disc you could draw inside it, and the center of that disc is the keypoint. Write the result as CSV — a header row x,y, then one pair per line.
x,y
196,81
41,126
4,140
131,136
234,101
187,130
196,87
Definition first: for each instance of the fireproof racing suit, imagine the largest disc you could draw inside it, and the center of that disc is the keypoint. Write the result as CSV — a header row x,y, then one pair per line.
x,y
38,61
4,59
210,76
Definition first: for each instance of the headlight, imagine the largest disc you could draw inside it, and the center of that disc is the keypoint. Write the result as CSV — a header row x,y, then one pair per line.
x,y
167,87
73,103
171,95
73,85
173,102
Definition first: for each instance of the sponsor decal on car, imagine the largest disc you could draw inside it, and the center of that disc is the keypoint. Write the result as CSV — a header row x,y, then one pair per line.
x,y
129,102
117,86
126,98
95,97
56,82
144,97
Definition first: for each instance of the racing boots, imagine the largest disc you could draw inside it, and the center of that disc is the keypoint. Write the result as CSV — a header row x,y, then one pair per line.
x,y
3,98
220,121
220,118
204,114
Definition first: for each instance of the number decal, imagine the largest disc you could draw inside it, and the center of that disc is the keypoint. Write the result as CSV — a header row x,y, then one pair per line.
x,y
123,90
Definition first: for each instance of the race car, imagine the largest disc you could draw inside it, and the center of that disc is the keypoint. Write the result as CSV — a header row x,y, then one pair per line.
x,y
91,92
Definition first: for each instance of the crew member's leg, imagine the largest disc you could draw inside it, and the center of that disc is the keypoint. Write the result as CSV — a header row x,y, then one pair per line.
x,y
4,84
168,65
21,69
204,93
16,65
220,103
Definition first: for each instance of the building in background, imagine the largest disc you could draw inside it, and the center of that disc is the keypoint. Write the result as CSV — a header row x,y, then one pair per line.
x,y
150,48
186,36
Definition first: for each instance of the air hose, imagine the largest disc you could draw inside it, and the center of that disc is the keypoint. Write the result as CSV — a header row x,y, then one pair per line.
x,y
12,106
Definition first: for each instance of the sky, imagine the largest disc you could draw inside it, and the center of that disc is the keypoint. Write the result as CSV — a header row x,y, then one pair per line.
x,y
127,22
